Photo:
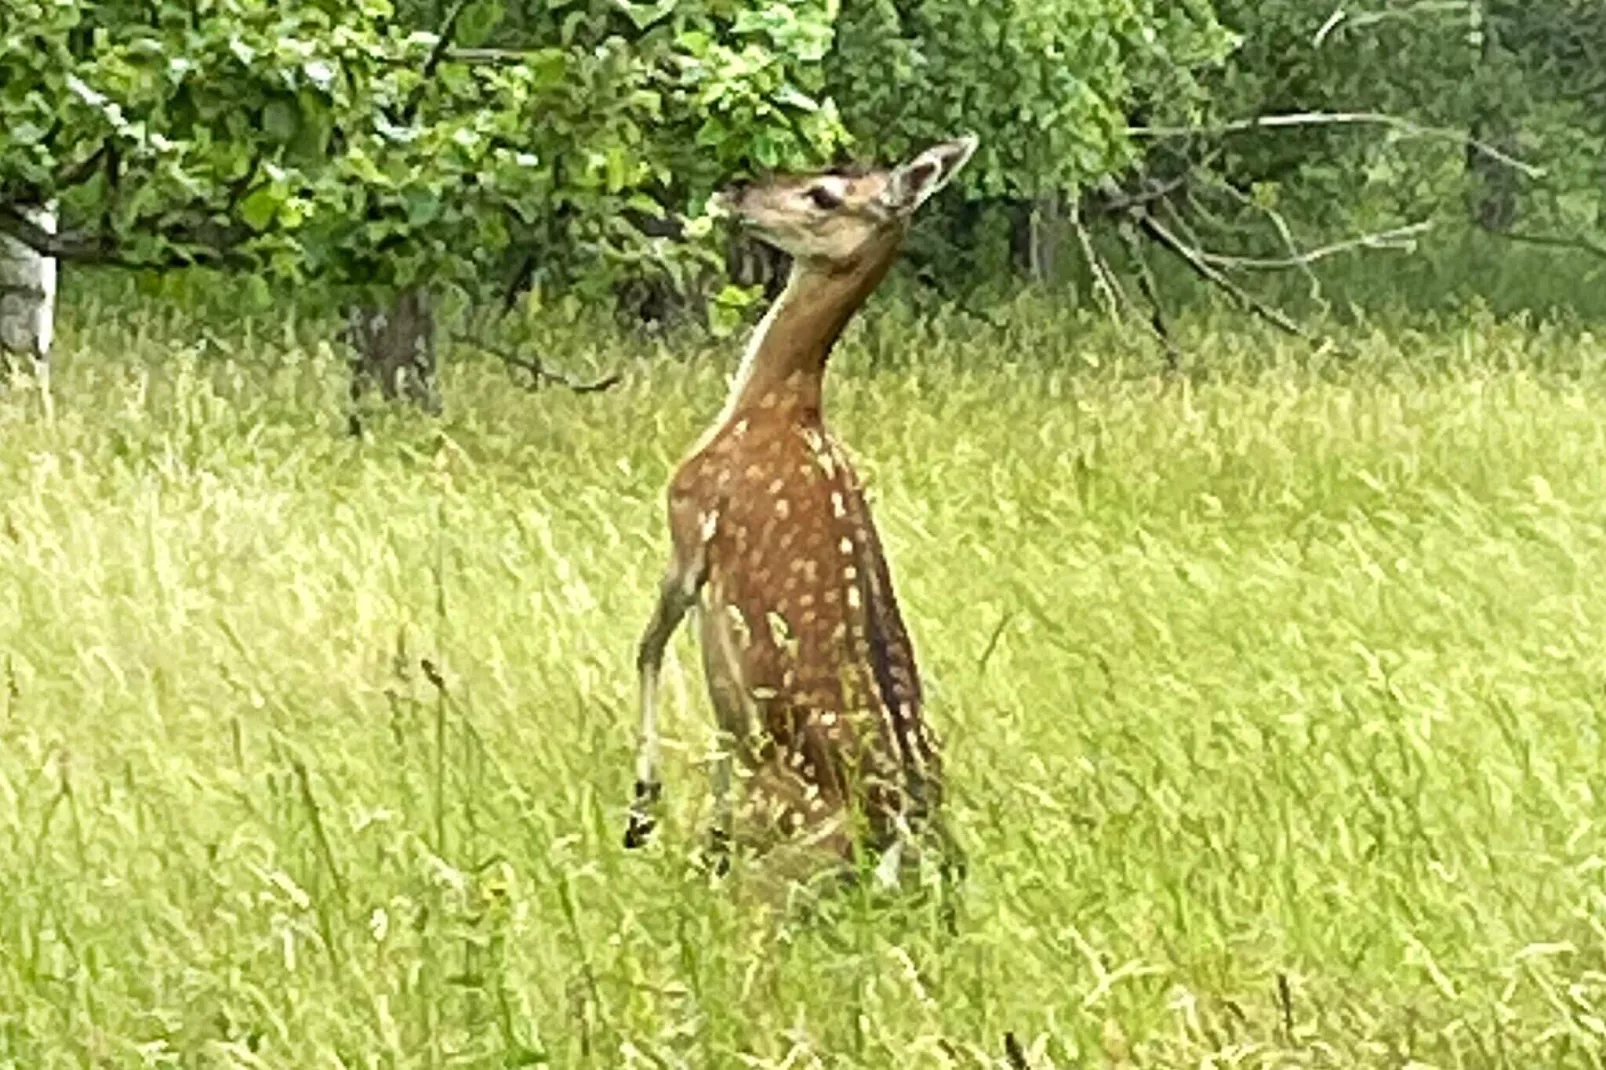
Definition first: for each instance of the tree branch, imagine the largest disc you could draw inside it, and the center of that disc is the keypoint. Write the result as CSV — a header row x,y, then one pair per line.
x,y
83,171
1205,270
489,57
1284,231
74,245
206,243
1151,294
1357,118
443,45
1341,17
1394,238
538,372
1115,201
1104,281
1551,241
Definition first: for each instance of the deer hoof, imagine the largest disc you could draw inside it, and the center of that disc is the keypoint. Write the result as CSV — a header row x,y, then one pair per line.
x,y
638,831
641,821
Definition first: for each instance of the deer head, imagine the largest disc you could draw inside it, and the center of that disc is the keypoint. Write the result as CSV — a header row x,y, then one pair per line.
x,y
834,217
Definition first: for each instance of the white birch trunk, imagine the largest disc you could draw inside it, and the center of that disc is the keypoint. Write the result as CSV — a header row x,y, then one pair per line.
x,y
27,293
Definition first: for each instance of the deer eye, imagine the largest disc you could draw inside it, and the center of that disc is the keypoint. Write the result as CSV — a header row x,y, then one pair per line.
x,y
824,199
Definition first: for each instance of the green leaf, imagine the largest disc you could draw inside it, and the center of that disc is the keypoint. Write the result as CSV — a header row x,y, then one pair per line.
x,y
478,21
644,15
280,120
259,207
548,67
423,206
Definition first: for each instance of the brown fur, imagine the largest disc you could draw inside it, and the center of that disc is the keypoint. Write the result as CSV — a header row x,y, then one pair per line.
x,y
809,665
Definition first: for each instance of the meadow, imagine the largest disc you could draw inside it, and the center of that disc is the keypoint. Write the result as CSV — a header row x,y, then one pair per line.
x,y
1273,693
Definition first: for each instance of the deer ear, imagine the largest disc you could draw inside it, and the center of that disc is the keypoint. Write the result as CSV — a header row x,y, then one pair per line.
x,y
913,183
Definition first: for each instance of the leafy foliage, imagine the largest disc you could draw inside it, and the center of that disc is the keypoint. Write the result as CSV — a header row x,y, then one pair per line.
x,y
1051,83
1522,77
379,145
340,140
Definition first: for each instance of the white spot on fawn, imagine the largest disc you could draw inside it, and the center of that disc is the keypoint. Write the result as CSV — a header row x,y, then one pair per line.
x,y
783,508
778,628
837,508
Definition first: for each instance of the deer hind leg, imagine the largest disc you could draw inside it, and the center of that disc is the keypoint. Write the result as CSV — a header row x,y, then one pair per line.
x,y
677,593
802,836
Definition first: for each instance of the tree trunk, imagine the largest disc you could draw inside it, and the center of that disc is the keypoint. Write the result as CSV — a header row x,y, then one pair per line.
x,y
1035,237
27,296
1495,195
394,348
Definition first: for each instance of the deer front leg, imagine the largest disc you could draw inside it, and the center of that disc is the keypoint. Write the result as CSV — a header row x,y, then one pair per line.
x,y
676,594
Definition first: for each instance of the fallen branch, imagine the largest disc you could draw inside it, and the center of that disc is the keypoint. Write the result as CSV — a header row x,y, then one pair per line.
x,y
1205,270
1151,294
1354,118
1284,231
1394,238
539,373
1341,17
1114,200
1104,280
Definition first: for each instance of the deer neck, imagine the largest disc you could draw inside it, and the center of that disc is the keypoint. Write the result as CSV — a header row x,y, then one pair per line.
x,y
784,366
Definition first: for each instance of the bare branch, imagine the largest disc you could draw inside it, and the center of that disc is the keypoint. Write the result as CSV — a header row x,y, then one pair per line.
x,y
1394,238
538,372
84,170
1115,200
489,57
1284,231
1354,118
1104,281
1205,270
1151,294
1341,17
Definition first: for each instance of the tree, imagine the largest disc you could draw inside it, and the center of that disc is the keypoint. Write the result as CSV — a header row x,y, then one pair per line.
x,y
27,295
1050,84
335,141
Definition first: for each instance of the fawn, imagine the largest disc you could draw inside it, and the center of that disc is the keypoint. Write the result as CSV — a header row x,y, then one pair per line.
x,y
808,665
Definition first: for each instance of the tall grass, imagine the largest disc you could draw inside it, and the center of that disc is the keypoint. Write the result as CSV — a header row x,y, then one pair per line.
x,y
1274,699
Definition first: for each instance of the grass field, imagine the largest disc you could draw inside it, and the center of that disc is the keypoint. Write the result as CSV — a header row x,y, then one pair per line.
x,y
1274,701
